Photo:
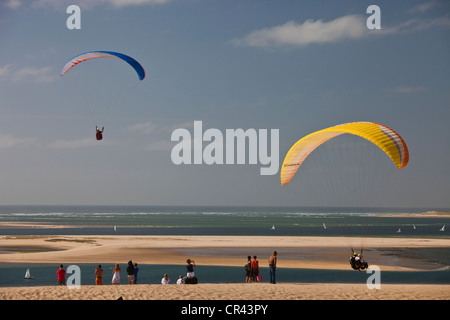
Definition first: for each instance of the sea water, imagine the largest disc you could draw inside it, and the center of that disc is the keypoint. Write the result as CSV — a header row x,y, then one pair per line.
x,y
166,220
158,220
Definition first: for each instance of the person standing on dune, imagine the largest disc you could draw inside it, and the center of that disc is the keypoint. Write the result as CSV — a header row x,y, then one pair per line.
x,y
272,267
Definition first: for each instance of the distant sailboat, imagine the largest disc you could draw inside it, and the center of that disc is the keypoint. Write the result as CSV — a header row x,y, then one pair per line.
x,y
414,226
273,227
399,230
324,226
115,229
28,274
443,228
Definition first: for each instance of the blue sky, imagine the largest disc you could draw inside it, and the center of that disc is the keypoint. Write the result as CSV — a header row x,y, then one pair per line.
x,y
295,66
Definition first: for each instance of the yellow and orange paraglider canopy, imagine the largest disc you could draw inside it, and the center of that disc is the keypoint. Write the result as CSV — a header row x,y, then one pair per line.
x,y
385,138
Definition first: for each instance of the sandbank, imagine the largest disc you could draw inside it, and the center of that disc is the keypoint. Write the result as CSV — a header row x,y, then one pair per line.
x,y
293,252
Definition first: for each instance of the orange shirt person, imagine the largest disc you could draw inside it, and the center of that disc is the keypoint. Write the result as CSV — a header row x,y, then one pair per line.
x,y
99,275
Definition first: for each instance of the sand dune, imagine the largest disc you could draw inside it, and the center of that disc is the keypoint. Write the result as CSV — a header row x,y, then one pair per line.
x,y
255,291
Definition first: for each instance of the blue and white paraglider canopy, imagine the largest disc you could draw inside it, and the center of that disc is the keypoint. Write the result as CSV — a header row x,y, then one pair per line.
x,y
104,54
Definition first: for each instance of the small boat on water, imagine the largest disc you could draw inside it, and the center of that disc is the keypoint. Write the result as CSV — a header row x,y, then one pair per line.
x,y
443,228
273,227
28,275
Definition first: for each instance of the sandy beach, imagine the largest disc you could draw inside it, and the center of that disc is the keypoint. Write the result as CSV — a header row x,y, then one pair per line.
x,y
253,291
316,252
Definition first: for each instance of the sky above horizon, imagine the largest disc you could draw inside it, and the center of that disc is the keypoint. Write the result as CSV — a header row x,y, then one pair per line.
x,y
294,66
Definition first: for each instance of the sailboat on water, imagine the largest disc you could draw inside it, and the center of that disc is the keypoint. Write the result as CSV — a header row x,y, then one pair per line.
x,y
273,227
443,228
28,275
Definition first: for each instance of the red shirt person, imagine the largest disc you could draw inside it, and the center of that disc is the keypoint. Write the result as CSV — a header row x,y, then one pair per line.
x,y
61,276
255,269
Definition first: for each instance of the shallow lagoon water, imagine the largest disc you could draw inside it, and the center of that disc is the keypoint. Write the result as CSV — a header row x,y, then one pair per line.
x,y
152,220
45,275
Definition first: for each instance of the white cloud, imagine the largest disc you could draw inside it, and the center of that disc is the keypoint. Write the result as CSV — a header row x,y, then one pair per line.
x,y
350,27
162,145
9,141
413,25
144,128
27,74
153,128
123,3
77,143
408,89
86,4
423,7
158,135
13,4
308,32
44,74
5,71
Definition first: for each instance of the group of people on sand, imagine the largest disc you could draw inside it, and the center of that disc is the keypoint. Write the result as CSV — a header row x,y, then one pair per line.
x,y
190,275
132,272
251,268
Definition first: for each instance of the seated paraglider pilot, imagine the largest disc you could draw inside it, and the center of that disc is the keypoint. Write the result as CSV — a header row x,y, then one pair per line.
x,y
99,133
357,262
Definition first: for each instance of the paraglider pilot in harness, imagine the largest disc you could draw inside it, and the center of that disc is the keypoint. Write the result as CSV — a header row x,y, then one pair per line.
x,y
357,261
98,133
